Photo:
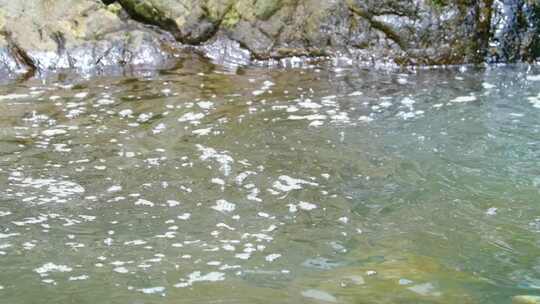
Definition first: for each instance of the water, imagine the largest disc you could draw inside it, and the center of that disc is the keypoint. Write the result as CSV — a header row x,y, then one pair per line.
x,y
308,185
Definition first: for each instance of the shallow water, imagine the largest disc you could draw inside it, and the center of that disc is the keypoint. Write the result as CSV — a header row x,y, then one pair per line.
x,y
308,185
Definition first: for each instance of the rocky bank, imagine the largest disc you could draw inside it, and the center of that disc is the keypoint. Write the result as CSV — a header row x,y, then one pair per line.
x,y
45,35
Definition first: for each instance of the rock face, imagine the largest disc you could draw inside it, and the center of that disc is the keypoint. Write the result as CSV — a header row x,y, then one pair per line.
x,y
41,35
402,31
38,35
515,32
405,31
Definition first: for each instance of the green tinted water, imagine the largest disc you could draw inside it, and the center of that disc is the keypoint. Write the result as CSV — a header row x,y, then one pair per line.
x,y
312,185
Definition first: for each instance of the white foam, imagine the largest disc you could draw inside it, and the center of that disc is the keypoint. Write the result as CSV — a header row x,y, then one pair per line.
x,y
79,278
143,202
172,203
488,86
159,128
144,117
152,290
272,257
535,101
242,176
53,132
51,267
308,104
135,242
81,95
58,188
125,113
218,181
286,183
121,269
307,117
114,188
105,101
202,132
205,104
243,256
306,206
224,206
364,118
533,77
492,211
408,102
7,235
462,99
13,96
191,117
198,277
222,158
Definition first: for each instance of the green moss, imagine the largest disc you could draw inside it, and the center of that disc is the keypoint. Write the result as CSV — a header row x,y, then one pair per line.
x,y
114,8
147,11
439,3
231,18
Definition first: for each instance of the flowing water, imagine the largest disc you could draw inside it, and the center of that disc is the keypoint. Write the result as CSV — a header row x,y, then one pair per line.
x,y
301,185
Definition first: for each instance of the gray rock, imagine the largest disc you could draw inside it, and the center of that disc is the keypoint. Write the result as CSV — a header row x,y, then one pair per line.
x,y
515,31
44,35
398,32
41,35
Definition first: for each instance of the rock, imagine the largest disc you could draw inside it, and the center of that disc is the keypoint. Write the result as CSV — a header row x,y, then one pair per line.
x,y
319,295
321,263
526,299
40,35
352,279
398,32
515,31
426,289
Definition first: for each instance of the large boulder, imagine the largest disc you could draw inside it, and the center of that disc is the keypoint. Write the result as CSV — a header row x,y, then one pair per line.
x,y
42,35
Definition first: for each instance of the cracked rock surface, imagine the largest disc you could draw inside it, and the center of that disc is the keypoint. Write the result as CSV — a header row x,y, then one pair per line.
x,y
39,35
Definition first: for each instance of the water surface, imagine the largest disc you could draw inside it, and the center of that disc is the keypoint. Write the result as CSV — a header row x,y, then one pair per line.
x,y
301,185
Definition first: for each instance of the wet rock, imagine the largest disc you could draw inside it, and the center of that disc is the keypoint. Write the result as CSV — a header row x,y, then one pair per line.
x,y
319,295
426,289
321,263
515,31
43,35
352,280
91,34
402,32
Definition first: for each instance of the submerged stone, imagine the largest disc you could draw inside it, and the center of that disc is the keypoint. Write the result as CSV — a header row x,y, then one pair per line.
x,y
426,289
321,263
319,295
526,299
